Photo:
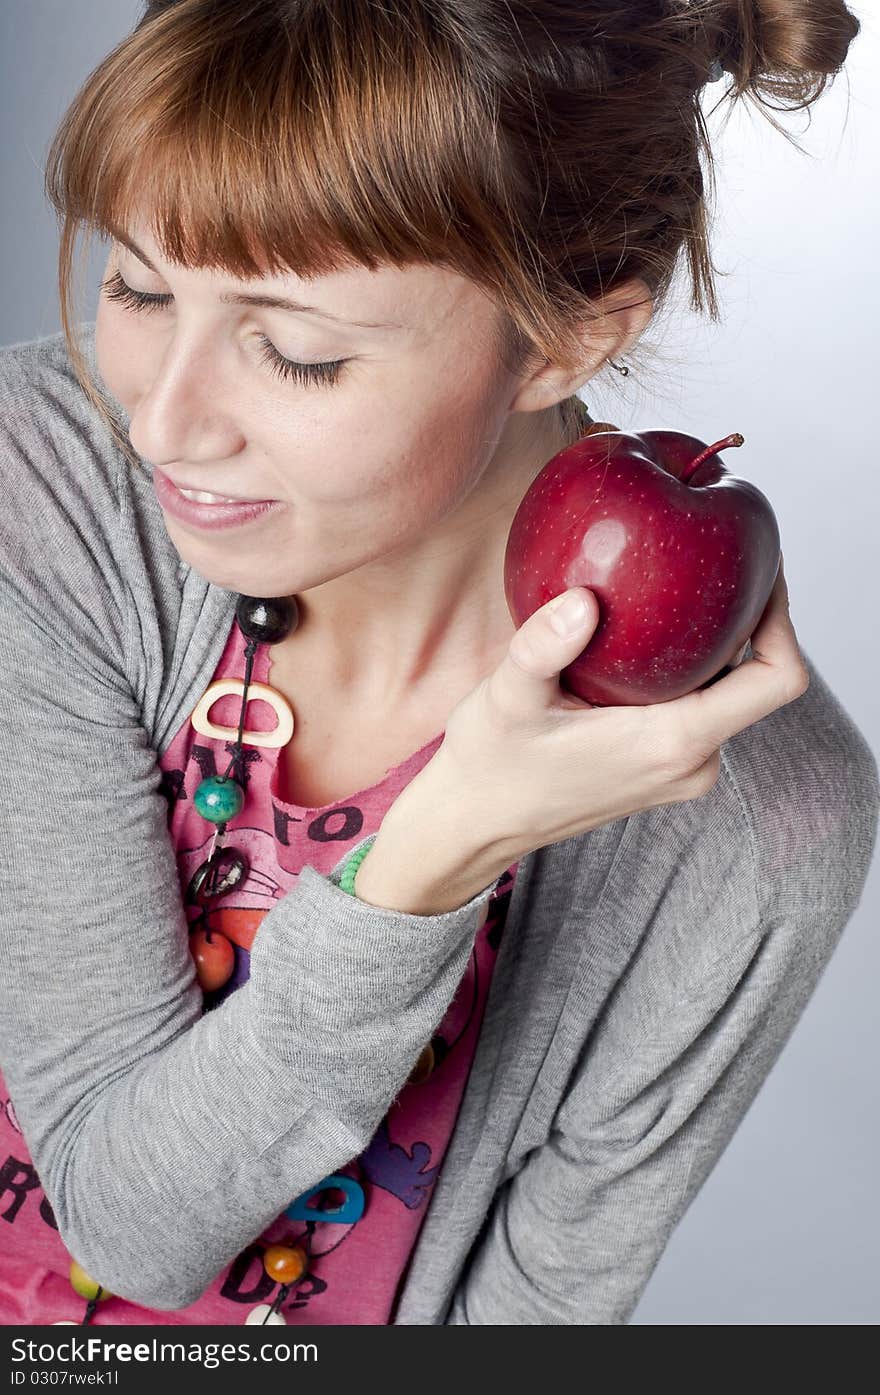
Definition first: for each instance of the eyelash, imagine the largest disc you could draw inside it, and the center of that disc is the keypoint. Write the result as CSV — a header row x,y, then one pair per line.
x,y
286,368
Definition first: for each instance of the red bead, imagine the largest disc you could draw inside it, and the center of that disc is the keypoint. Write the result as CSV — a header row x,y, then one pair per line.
x,y
285,1263
214,958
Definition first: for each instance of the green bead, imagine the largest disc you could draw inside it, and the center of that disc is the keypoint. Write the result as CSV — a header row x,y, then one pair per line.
x,y
218,798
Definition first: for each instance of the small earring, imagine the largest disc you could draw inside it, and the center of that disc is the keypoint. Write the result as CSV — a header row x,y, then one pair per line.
x,y
621,368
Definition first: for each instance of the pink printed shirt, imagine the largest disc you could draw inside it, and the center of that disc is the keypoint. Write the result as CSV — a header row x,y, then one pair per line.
x,y
356,1266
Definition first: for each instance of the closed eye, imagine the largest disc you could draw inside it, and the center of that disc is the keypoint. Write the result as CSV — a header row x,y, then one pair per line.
x,y
327,373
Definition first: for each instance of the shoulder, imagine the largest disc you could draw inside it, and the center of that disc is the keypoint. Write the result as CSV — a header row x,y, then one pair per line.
x,y
62,548
50,429
776,854
715,917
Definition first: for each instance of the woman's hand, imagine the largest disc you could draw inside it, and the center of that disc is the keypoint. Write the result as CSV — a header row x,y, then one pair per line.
x,y
536,765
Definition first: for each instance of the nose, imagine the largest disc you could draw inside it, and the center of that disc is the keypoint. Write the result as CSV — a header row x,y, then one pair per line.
x,y
184,412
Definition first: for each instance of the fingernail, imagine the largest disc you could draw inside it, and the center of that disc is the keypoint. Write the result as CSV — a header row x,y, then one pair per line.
x,y
568,614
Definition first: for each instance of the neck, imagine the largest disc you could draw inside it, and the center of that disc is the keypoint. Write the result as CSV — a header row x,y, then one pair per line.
x,y
391,633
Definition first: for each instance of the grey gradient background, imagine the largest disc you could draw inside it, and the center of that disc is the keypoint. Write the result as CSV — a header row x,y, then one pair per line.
x,y
786,1231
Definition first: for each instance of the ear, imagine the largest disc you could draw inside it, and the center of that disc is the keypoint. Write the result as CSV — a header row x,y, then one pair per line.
x,y
626,311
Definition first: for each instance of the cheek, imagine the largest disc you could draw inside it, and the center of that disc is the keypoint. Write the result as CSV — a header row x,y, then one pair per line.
x,y
452,448
399,472
357,448
417,446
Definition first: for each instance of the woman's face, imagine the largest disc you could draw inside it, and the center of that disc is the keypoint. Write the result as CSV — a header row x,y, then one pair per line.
x,y
415,426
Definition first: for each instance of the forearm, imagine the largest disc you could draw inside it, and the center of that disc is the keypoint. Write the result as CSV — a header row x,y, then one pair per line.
x,y
165,1145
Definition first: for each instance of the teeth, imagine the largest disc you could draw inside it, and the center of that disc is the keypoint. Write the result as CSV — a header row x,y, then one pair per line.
x,y
201,496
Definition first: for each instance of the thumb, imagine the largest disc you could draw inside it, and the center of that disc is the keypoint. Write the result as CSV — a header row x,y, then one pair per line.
x,y
527,679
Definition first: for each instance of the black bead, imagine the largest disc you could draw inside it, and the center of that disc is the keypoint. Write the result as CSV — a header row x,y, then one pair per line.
x,y
219,875
267,621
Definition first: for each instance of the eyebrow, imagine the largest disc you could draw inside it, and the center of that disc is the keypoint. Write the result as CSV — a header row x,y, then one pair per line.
x,y
269,302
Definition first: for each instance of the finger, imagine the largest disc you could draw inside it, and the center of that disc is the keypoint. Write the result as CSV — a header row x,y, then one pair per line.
x,y
527,679
774,675
774,641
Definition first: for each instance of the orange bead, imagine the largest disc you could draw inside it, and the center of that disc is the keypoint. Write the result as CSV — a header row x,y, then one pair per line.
x,y
285,1263
214,958
84,1285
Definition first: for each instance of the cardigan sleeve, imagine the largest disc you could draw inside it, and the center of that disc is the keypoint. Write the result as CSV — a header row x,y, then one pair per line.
x,y
661,1086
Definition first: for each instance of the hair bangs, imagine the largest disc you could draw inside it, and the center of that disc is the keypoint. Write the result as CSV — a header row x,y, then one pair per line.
x,y
300,151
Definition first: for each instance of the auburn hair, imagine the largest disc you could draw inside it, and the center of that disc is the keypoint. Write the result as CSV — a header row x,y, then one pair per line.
x,y
547,150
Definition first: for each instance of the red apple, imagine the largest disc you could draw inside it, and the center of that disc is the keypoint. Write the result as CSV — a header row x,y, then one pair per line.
x,y
680,555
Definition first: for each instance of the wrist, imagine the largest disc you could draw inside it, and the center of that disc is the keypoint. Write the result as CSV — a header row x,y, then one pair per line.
x,y
420,863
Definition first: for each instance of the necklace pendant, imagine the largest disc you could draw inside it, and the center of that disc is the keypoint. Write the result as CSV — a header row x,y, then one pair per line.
x,y
221,687
220,873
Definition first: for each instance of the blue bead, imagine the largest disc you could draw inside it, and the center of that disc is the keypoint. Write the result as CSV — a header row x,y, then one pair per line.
x,y
350,1211
219,798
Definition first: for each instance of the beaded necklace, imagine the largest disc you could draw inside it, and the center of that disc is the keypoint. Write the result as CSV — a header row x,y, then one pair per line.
x,y
219,798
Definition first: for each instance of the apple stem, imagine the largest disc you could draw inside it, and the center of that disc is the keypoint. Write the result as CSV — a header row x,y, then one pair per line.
x,y
735,440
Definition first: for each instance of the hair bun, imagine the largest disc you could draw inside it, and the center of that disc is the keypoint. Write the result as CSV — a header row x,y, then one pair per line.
x,y
785,48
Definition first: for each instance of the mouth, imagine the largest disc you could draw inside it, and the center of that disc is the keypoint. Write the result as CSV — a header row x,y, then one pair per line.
x,y
201,508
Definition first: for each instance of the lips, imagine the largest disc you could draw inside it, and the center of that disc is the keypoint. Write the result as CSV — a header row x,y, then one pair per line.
x,y
201,495
212,514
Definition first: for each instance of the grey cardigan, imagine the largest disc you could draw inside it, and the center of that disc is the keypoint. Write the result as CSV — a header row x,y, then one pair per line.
x,y
649,975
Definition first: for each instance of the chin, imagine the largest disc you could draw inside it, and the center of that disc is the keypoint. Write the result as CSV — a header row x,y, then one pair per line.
x,y
244,570
253,581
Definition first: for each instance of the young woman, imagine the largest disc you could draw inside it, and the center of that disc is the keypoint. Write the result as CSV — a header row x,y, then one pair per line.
x,y
415,991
